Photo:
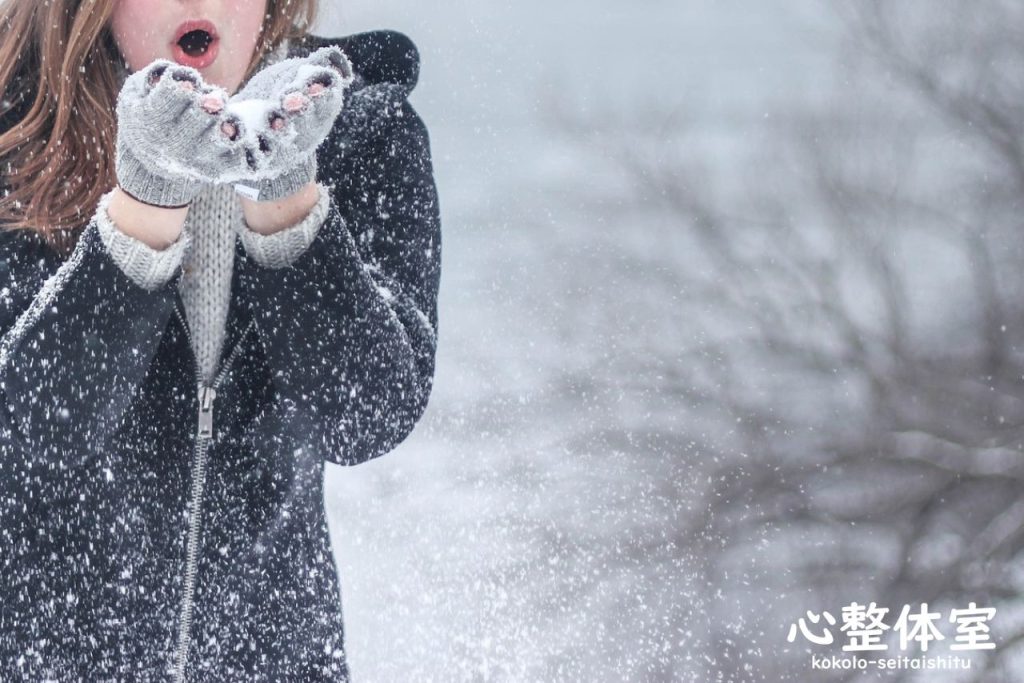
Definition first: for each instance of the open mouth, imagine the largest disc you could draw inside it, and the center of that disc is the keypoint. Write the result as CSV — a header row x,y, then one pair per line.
x,y
196,43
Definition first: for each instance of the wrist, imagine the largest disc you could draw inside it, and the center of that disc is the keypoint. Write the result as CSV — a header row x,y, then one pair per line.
x,y
273,216
154,226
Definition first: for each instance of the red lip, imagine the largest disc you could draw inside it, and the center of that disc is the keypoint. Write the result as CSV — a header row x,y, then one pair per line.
x,y
204,60
195,25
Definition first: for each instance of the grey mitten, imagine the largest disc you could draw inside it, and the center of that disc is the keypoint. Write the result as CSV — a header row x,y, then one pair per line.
x,y
283,114
171,135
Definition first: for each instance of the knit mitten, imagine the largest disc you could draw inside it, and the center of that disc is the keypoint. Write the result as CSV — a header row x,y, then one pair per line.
x,y
283,114
171,135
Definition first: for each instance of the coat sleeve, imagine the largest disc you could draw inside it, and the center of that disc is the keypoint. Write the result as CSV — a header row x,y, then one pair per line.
x,y
349,327
77,339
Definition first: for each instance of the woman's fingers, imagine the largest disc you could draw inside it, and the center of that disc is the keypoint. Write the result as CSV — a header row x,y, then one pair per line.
x,y
176,96
212,103
333,58
294,102
186,78
258,129
277,120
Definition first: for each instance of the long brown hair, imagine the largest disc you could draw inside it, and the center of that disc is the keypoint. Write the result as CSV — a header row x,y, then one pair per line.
x,y
57,158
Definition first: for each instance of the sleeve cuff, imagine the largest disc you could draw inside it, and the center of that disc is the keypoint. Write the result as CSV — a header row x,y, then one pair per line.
x,y
148,267
282,248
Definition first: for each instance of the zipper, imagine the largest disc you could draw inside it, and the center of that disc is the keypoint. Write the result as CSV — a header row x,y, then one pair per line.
x,y
204,436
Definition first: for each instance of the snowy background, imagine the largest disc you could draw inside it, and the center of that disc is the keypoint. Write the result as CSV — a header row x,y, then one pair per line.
x,y
704,268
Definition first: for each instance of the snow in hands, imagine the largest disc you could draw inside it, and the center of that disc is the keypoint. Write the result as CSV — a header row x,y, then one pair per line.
x,y
268,128
286,110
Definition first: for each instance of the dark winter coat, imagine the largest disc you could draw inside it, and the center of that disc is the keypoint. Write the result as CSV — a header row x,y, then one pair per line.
x,y
134,543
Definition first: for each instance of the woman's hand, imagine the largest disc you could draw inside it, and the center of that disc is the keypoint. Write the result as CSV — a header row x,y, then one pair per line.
x,y
173,134
282,115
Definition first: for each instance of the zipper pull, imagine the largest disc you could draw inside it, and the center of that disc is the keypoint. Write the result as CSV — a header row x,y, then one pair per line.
x,y
206,396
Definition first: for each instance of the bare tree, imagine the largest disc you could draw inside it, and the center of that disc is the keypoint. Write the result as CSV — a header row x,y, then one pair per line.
x,y
854,333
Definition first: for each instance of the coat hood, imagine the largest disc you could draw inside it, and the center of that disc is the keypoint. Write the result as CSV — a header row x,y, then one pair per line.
x,y
379,58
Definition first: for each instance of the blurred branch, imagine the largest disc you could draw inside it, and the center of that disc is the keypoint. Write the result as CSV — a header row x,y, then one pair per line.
x,y
815,351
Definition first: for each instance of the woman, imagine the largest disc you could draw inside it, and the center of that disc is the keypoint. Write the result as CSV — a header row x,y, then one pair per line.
x,y
178,358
